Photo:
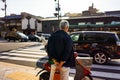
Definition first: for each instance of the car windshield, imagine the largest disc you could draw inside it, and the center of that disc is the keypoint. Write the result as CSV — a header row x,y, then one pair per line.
x,y
21,34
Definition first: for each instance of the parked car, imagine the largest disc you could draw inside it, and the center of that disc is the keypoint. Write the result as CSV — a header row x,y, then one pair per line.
x,y
12,35
46,36
33,37
100,45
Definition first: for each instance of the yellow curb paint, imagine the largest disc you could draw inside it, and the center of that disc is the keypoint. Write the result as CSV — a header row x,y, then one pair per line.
x,y
22,76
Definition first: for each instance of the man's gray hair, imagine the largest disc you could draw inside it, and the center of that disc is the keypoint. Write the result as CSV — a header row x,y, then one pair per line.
x,y
63,24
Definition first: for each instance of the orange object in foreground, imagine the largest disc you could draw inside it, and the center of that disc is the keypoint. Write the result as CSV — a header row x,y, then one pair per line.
x,y
57,76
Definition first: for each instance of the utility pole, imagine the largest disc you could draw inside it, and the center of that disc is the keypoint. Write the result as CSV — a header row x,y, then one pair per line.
x,y
5,9
57,8
5,21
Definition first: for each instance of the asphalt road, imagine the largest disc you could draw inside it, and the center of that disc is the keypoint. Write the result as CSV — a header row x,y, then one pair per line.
x,y
6,46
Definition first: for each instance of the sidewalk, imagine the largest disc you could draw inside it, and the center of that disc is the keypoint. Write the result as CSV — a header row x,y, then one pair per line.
x,y
10,71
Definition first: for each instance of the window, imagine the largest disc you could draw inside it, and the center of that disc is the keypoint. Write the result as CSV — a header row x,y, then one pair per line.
x,y
100,37
81,23
88,23
89,37
75,37
94,37
99,23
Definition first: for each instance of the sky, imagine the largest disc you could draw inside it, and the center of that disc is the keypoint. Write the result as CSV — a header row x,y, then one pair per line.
x,y
46,8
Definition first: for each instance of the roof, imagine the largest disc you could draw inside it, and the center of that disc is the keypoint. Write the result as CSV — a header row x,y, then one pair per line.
x,y
86,17
81,17
113,12
13,17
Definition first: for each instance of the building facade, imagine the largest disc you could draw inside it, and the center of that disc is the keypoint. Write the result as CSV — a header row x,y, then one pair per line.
x,y
84,23
24,22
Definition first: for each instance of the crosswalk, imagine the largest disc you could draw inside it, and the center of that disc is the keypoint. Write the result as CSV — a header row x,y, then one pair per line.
x,y
30,55
26,56
110,71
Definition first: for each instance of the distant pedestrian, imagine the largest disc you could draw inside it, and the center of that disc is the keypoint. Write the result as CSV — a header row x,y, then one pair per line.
x,y
60,50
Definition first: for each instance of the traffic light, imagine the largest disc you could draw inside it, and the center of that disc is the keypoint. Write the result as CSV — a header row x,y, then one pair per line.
x,y
57,9
3,0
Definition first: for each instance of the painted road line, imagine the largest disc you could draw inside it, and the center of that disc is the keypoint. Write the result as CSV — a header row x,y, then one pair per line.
x,y
106,67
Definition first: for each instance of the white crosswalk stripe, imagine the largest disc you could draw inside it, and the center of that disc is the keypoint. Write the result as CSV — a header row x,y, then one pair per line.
x,y
106,74
106,67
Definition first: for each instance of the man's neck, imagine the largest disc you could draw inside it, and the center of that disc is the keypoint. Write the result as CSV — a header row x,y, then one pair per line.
x,y
66,30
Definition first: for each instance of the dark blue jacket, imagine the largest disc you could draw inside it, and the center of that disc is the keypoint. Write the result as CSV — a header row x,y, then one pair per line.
x,y
60,47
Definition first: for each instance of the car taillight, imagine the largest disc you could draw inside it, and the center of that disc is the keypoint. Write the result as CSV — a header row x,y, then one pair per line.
x,y
118,49
118,52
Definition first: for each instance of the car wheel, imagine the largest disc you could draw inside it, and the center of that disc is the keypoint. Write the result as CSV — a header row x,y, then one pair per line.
x,y
100,57
22,40
8,39
19,40
14,40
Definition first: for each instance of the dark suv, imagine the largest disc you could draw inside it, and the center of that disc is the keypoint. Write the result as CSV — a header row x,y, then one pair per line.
x,y
101,45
